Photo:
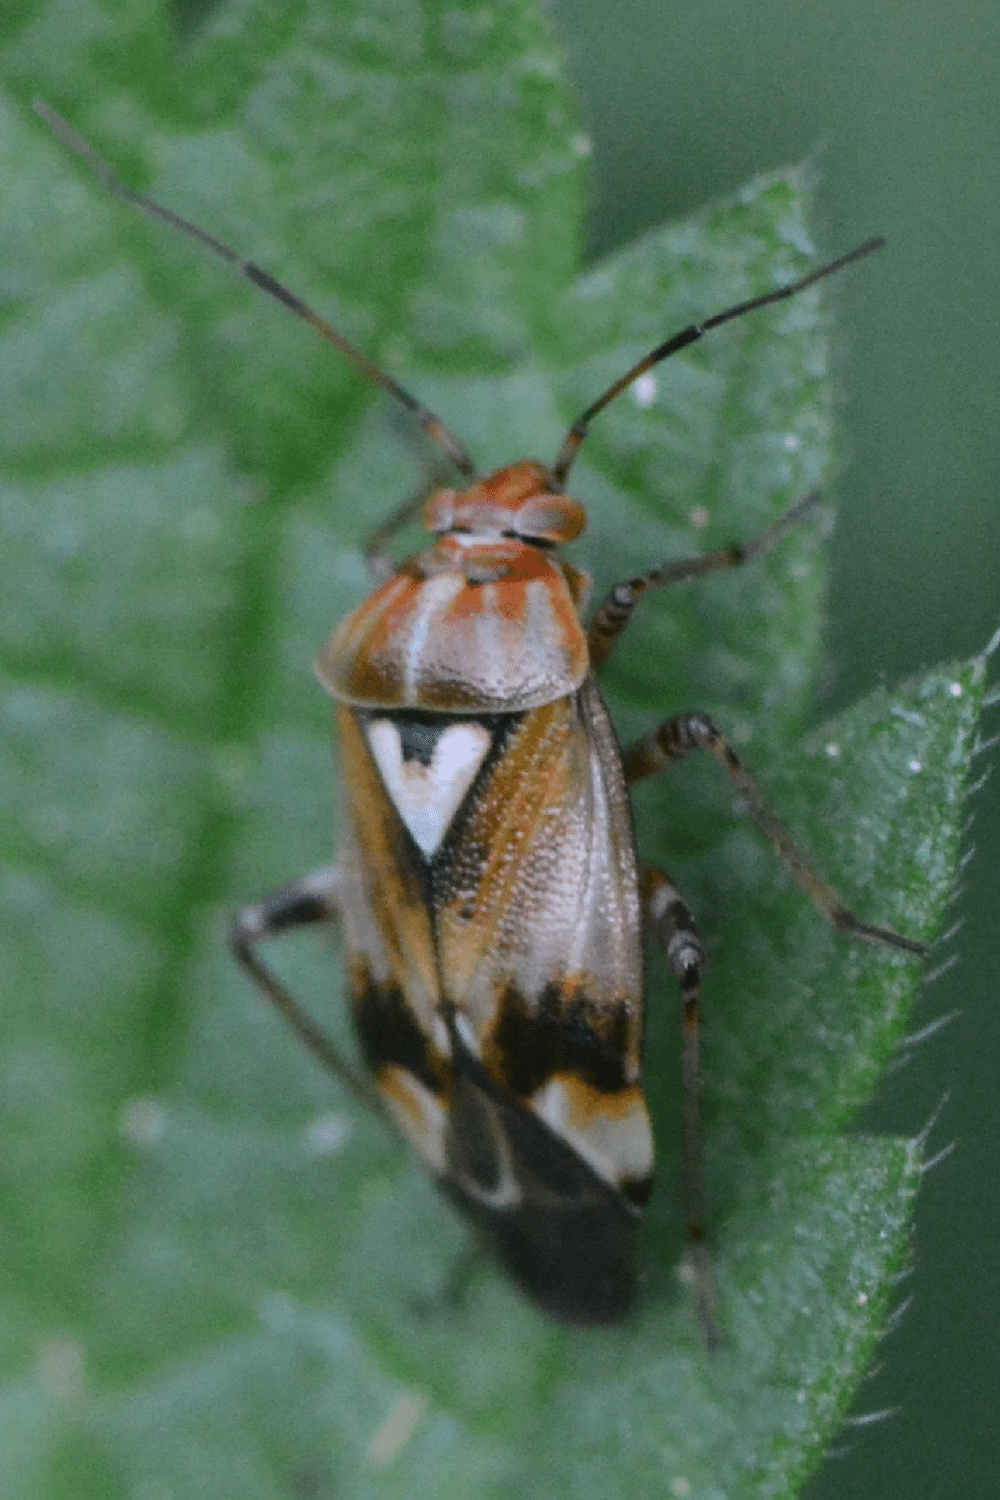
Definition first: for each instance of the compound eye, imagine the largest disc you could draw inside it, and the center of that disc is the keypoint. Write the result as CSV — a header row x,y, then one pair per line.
x,y
550,518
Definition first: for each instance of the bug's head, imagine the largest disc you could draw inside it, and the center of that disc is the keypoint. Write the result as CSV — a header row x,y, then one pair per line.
x,y
517,501
484,620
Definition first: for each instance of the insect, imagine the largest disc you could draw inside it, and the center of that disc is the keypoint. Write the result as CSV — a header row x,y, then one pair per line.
x,y
488,890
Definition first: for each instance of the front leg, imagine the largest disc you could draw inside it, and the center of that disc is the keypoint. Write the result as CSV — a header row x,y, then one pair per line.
x,y
676,738
300,903
379,564
672,925
615,612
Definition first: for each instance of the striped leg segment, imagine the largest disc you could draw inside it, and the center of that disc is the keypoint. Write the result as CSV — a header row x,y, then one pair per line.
x,y
672,924
616,610
301,903
677,738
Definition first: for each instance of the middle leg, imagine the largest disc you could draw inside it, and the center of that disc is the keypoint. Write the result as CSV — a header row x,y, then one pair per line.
x,y
676,738
314,898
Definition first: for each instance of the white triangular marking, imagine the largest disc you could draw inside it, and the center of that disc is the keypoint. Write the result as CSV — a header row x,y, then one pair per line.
x,y
428,797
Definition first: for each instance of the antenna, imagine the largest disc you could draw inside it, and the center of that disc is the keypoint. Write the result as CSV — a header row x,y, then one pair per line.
x,y
690,335
432,425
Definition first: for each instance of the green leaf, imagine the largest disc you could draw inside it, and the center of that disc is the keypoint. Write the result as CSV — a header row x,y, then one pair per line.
x,y
218,1276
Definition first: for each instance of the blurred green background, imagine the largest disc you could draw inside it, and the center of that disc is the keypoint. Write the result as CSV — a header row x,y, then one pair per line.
x,y
898,108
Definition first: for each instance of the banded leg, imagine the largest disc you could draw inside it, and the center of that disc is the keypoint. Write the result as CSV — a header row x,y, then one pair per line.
x,y
677,738
616,610
301,903
673,927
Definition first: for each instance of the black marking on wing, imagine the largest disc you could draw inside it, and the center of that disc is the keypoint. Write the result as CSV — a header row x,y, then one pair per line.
x,y
560,1033
420,731
568,1239
388,1031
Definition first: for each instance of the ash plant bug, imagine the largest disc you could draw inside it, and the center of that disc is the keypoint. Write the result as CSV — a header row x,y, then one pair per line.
x,y
488,890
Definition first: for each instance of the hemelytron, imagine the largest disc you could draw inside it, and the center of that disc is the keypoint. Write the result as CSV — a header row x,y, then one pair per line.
x,y
488,890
